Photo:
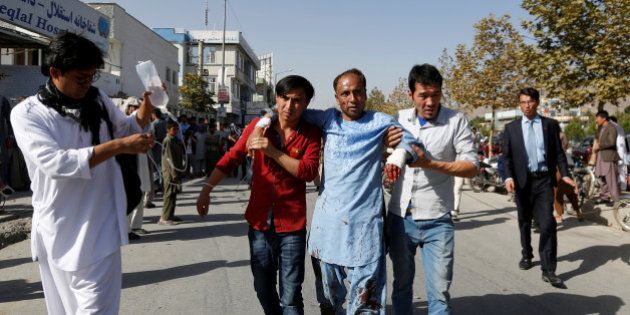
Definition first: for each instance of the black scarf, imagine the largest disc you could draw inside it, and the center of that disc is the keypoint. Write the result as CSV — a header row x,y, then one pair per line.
x,y
88,111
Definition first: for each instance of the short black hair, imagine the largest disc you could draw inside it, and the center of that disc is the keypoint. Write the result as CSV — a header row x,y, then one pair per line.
x,y
424,74
531,92
294,82
354,71
603,114
171,123
69,51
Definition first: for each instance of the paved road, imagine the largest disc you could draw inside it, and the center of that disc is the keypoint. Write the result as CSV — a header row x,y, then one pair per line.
x,y
202,266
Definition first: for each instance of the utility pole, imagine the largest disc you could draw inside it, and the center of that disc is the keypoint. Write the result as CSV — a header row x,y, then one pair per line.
x,y
223,49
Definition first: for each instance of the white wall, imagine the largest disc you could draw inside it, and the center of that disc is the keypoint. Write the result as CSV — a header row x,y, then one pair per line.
x,y
132,41
18,80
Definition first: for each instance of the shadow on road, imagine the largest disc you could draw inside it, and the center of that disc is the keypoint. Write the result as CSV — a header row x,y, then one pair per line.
x,y
14,262
515,304
484,213
140,278
20,290
595,257
185,233
193,218
465,224
548,303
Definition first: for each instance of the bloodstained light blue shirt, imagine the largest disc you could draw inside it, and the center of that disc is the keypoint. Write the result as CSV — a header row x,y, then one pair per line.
x,y
347,224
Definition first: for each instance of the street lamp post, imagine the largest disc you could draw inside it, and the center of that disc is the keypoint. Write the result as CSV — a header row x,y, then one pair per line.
x,y
275,76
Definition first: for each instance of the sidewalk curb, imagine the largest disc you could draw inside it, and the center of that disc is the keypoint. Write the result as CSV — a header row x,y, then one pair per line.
x,y
15,221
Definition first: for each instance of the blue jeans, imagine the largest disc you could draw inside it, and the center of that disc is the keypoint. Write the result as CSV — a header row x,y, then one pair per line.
x,y
436,241
271,253
367,287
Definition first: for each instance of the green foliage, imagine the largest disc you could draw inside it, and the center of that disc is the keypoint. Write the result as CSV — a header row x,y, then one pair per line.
x,y
376,102
195,94
591,127
376,98
623,119
491,71
400,96
582,51
574,130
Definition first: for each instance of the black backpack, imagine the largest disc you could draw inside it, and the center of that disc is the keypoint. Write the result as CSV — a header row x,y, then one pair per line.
x,y
129,168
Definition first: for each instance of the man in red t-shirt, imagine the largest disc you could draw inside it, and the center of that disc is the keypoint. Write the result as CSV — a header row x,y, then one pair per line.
x,y
284,160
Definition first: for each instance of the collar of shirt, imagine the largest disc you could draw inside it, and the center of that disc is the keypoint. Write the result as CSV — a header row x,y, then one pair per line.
x,y
277,140
441,119
535,119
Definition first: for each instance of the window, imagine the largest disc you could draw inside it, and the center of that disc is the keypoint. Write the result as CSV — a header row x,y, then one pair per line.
x,y
168,74
193,55
236,91
212,84
209,55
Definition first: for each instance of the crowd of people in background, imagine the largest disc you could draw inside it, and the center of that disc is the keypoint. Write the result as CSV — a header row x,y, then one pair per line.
x,y
71,132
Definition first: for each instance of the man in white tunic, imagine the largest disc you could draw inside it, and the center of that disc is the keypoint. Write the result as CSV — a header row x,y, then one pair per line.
x,y
79,219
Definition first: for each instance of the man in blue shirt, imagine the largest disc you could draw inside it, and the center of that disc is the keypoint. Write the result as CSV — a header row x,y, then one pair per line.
x,y
532,150
347,229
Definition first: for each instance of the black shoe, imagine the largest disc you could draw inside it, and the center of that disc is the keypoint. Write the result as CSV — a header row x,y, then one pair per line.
x,y
133,236
525,264
551,278
149,205
140,232
600,201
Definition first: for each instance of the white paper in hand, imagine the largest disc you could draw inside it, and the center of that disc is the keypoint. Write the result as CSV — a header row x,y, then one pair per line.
x,y
151,81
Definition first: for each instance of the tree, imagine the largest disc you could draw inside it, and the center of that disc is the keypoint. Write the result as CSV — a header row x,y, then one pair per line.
x,y
574,130
446,65
491,71
399,97
583,49
195,94
376,101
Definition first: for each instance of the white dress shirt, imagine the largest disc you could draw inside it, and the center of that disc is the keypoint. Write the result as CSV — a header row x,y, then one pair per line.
x,y
79,212
427,193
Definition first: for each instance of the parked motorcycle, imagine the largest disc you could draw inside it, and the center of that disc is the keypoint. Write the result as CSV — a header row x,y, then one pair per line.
x,y
489,175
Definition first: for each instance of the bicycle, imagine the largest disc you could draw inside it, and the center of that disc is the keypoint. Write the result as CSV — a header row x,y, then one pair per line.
x,y
588,190
621,212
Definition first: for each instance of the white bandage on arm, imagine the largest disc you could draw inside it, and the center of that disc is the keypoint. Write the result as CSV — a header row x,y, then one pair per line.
x,y
264,122
398,157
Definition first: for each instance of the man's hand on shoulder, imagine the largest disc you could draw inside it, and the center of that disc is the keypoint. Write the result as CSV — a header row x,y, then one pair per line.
x,y
392,137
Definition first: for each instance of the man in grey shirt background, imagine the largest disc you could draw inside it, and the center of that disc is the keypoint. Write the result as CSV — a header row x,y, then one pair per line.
x,y
421,202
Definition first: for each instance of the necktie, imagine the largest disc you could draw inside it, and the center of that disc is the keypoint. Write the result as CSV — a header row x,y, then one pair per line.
x,y
532,149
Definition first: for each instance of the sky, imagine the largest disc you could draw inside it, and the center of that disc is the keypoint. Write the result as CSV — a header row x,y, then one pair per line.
x,y
319,39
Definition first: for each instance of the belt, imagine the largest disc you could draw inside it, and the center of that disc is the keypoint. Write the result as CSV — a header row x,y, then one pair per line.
x,y
540,174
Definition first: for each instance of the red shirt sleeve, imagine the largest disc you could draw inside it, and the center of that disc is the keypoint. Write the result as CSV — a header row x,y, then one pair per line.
x,y
309,163
233,158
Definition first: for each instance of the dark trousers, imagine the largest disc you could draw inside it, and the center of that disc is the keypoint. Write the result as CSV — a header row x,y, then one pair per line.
x,y
537,197
170,198
273,253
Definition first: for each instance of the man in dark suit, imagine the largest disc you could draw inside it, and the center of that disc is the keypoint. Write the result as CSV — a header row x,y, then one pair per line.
x,y
532,151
